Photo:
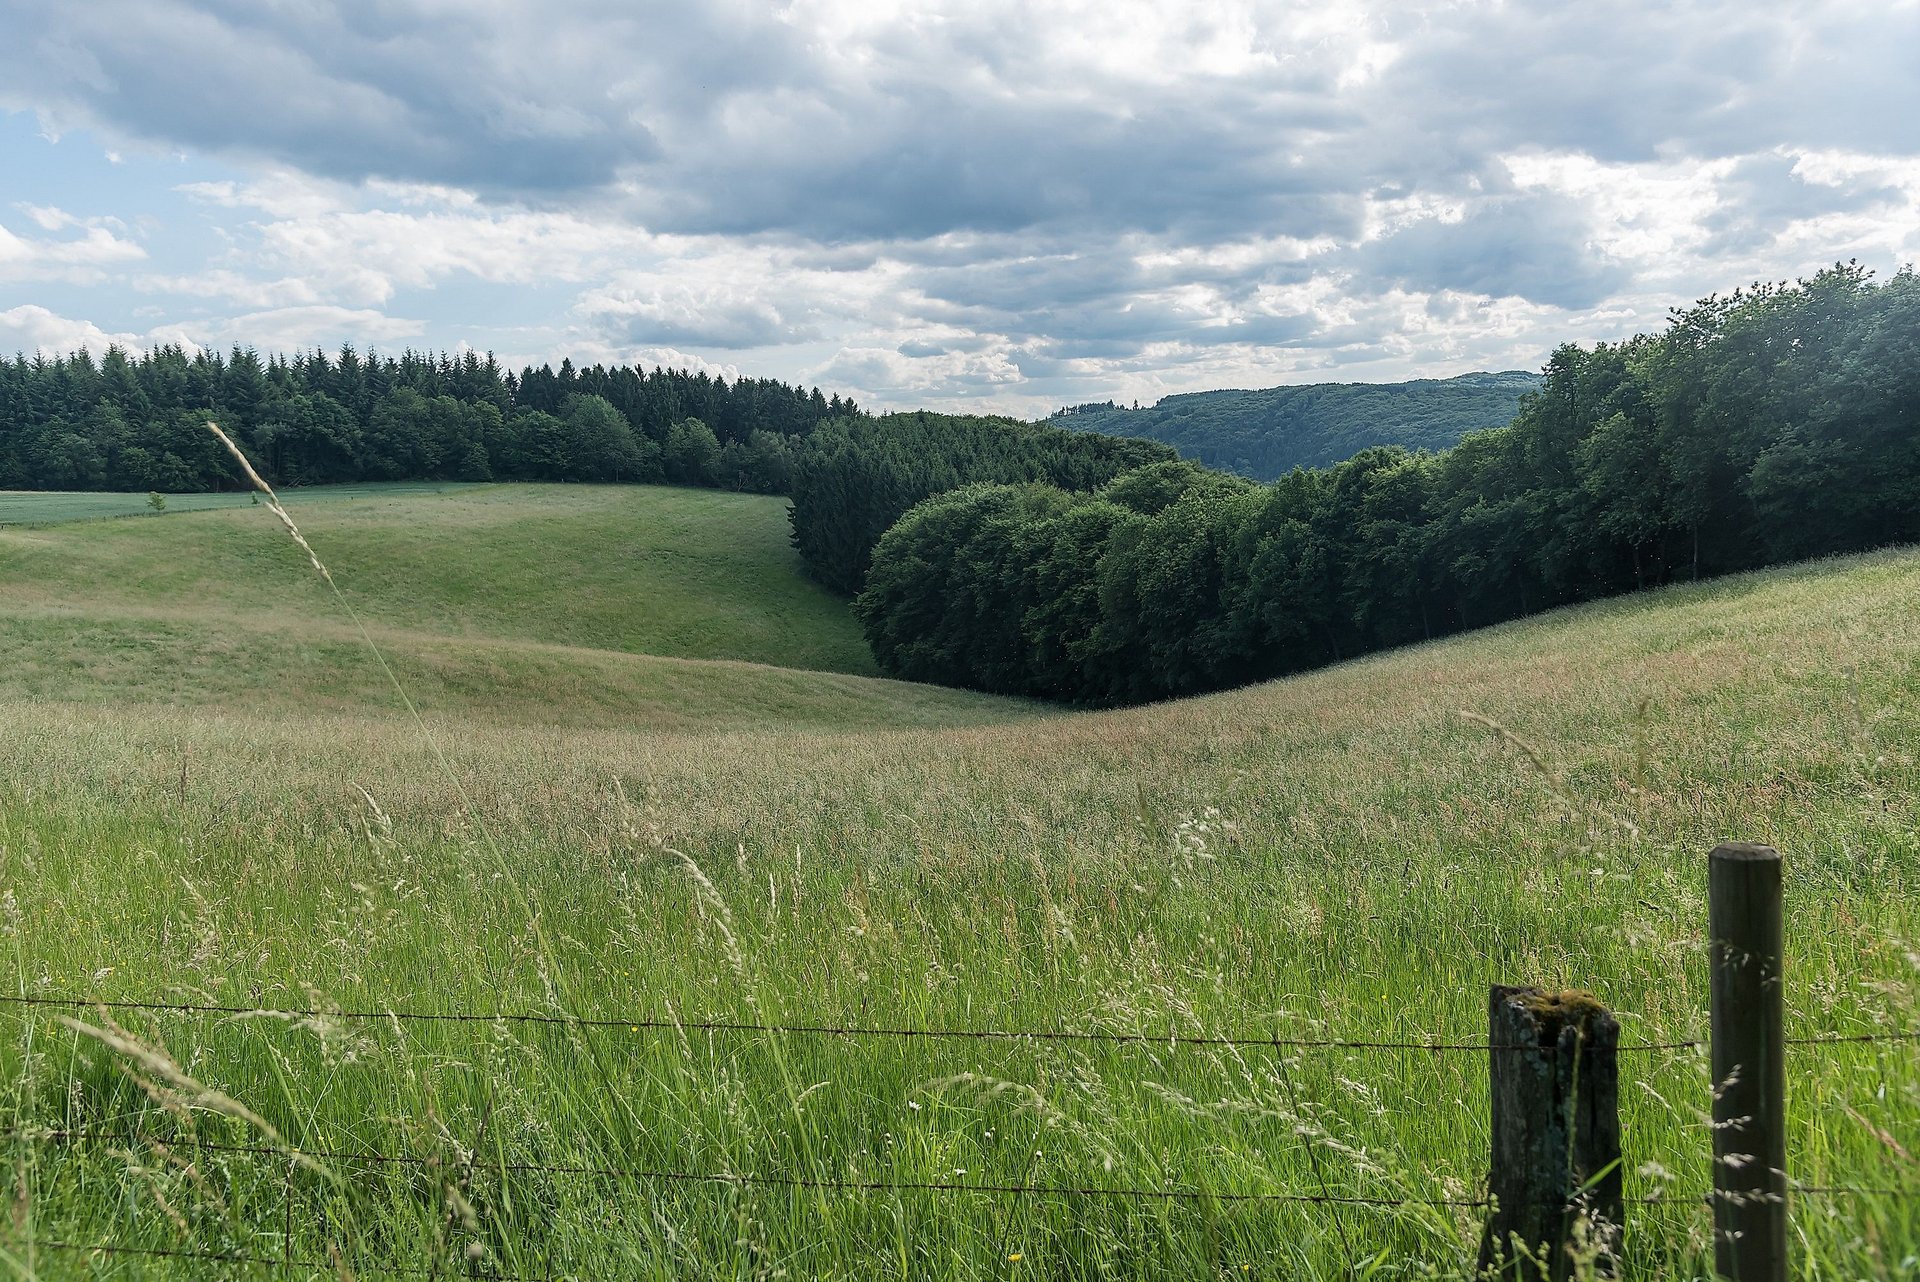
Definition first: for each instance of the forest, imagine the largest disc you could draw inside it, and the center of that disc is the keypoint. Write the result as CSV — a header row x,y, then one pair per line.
x,y
1772,424
857,476
138,422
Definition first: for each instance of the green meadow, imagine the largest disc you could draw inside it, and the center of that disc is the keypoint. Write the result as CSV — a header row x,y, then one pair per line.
x,y
563,605
653,787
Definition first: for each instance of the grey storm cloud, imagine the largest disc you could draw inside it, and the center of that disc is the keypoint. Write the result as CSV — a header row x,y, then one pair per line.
x,y
723,121
941,163
1627,81
1765,192
702,318
506,99
1099,301
1535,247
727,332
1013,284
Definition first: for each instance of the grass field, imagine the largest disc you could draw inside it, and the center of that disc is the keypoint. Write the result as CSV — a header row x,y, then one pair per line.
x,y
572,605
1342,855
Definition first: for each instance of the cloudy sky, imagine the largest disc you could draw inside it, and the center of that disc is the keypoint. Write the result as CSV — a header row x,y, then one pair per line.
x,y
960,205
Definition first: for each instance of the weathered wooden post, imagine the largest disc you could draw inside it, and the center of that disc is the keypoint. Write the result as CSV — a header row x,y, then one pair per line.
x,y
1749,1063
1555,1179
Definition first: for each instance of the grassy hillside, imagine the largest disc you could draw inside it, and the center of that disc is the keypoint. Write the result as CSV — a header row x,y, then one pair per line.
x,y
1265,434
535,602
1342,855
645,570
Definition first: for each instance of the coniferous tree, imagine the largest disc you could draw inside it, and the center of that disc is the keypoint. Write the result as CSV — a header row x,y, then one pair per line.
x,y
137,422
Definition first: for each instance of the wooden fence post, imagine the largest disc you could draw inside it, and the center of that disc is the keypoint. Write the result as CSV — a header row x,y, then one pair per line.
x,y
1749,1064
1555,1178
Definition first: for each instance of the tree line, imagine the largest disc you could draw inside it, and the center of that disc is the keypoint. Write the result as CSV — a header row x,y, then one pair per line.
x,y
137,421
1775,423
857,476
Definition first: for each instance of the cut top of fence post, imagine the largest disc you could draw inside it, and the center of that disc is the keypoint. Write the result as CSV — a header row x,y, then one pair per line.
x,y
1555,1174
1740,851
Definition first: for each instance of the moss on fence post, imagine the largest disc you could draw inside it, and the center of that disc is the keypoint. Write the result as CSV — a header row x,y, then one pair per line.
x,y
1555,1176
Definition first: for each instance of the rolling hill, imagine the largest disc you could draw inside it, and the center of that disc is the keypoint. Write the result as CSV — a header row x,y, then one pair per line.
x,y
205,798
1265,434
648,606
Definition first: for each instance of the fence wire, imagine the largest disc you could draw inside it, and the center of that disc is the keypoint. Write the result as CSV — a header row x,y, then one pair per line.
x,y
640,1175
279,1262
646,1023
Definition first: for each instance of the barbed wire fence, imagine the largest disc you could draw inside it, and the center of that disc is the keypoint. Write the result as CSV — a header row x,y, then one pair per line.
x,y
1551,1162
638,1024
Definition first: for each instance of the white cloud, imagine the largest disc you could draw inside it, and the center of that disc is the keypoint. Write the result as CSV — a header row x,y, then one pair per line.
x,y
75,258
278,193
674,358
30,328
234,288
894,380
48,218
286,329
363,244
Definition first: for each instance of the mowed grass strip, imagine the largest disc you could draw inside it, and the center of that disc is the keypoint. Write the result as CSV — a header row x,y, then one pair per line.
x,y
1341,855
56,507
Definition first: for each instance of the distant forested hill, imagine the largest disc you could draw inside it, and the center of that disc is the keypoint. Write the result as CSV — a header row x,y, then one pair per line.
x,y
1266,434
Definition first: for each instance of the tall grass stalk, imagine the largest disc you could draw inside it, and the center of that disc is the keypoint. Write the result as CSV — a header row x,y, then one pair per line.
x,y
610,1108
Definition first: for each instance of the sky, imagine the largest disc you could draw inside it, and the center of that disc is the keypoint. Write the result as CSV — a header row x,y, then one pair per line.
x,y
978,205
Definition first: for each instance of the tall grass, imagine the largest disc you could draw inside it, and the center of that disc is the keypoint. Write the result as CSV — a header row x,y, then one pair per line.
x,y
1342,855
